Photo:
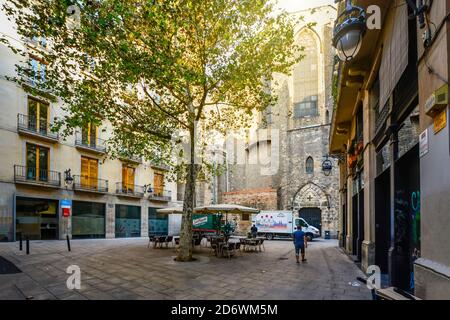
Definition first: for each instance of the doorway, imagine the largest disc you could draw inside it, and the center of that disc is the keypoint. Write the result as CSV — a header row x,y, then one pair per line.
x,y
313,216
360,224
354,222
37,218
407,219
382,220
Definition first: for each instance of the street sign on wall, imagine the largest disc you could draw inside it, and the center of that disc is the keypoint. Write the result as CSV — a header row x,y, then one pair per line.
x,y
440,121
66,207
423,144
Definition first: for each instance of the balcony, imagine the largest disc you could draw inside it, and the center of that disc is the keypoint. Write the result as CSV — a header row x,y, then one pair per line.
x,y
160,195
129,190
90,144
89,184
36,128
37,177
130,158
159,166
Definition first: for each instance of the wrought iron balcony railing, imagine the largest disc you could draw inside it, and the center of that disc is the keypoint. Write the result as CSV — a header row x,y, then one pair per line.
x,y
131,190
36,127
31,175
159,194
86,183
91,143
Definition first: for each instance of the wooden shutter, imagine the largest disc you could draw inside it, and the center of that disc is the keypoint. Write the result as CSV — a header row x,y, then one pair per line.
x,y
93,172
124,177
158,181
84,171
128,178
394,60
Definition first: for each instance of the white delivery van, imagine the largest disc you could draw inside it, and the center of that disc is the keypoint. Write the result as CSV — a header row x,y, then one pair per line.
x,y
276,224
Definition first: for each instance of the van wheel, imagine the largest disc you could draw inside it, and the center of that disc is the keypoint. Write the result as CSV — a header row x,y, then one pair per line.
x,y
269,236
310,237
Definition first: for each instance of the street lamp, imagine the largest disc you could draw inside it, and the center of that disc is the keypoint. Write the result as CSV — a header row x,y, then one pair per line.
x,y
148,188
68,179
349,31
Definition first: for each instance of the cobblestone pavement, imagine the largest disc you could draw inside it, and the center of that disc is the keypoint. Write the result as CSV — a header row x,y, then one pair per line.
x,y
127,269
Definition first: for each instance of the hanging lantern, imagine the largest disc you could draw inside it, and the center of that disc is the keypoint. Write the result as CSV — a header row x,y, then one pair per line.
x,y
349,31
327,166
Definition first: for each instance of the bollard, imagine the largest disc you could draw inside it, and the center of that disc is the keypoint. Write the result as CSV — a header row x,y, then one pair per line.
x,y
28,245
68,242
20,241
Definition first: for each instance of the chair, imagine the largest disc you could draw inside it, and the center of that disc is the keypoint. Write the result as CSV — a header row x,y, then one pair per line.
x,y
261,244
159,240
242,244
229,248
214,245
252,244
168,240
150,240
237,246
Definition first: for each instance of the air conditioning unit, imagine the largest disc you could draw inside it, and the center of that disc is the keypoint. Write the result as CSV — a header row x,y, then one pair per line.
x,y
437,101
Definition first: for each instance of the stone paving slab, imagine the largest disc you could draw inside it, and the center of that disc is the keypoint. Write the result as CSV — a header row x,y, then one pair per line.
x,y
127,269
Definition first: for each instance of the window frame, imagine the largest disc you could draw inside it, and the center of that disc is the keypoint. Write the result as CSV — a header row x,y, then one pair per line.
x,y
309,165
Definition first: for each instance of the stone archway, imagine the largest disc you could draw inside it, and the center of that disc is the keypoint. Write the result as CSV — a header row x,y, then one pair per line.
x,y
312,196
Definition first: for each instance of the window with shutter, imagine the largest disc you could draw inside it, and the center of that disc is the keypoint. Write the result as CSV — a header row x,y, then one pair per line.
x,y
84,172
128,178
89,172
93,173
158,181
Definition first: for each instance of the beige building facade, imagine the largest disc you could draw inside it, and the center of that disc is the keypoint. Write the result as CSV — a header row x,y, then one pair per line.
x,y
106,197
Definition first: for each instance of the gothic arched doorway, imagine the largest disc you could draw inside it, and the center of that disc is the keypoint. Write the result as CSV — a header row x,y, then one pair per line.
x,y
313,204
313,216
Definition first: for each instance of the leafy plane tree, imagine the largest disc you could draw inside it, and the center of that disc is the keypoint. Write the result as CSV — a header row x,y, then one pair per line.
x,y
153,68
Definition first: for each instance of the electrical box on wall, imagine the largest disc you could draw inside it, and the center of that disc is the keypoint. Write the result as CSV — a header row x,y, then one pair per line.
x,y
437,101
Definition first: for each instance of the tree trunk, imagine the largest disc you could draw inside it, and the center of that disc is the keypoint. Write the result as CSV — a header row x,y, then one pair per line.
x,y
186,234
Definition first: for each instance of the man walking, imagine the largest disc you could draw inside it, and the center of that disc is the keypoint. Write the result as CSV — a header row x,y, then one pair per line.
x,y
300,243
254,231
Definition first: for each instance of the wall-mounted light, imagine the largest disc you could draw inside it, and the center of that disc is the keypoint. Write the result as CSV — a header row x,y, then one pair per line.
x,y
68,179
327,166
148,188
349,31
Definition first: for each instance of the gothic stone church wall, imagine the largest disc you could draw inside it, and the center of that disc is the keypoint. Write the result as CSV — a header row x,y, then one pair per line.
x,y
301,118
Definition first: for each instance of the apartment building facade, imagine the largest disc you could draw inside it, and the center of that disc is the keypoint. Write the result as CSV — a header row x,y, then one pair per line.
x,y
52,186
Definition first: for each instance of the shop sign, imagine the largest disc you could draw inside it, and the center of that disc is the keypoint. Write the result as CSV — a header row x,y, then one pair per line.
x,y
66,206
423,143
440,121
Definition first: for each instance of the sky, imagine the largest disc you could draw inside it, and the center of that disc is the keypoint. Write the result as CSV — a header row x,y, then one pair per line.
x,y
295,5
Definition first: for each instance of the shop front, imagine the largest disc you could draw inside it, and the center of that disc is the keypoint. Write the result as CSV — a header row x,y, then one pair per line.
x,y
128,221
158,224
37,219
407,203
88,220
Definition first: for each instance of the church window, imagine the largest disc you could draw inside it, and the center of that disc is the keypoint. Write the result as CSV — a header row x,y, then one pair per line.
x,y
309,165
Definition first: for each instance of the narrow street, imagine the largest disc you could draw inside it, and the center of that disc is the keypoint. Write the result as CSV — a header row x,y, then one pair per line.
x,y
127,269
